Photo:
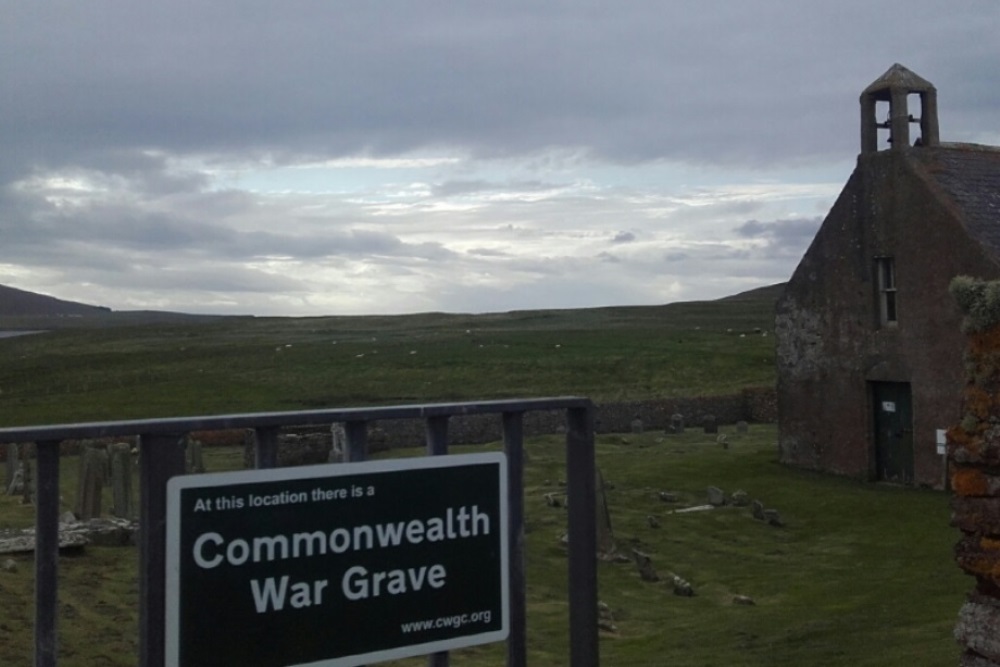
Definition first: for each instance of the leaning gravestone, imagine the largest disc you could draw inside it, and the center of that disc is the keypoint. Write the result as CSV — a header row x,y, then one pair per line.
x,y
11,465
121,480
90,484
17,484
645,566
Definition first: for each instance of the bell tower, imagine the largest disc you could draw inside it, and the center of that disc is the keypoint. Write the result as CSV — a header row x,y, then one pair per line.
x,y
896,87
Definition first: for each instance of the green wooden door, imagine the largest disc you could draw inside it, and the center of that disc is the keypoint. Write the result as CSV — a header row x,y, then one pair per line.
x,y
893,405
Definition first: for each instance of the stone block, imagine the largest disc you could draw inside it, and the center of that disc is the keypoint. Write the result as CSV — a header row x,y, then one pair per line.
x,y
979,556
976,515
977,629
970,659
972,481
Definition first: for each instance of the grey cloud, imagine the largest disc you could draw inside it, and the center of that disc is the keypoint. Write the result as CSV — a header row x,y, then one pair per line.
x,y
628,82
623,237
781,234
487,252
458,188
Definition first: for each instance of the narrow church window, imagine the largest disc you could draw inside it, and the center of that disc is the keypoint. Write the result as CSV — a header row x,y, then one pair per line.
x,y
886,289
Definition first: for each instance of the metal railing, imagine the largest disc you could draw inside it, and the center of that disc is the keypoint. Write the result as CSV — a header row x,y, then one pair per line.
x,y
161,447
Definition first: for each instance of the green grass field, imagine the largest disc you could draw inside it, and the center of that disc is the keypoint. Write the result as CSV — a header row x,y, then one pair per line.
x,y
253,364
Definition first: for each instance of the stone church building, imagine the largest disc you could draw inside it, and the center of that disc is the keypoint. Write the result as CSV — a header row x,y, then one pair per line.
x,y
869,346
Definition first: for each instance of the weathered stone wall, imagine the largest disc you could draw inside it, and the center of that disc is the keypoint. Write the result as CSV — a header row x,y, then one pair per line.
x,y
974,458
757,404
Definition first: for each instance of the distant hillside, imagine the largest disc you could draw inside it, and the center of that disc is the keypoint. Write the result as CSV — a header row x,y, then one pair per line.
x,y
19,303
769,293
754,308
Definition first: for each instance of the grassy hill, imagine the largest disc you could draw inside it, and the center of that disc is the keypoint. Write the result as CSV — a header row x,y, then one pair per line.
x,y
103,368
15,303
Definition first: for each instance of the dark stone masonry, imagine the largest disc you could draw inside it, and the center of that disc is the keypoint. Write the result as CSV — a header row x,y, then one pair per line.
x,y
974,461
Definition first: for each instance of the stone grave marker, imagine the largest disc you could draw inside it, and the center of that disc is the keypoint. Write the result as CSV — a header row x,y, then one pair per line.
x,y
710,424
90,484
121,480
636,425
194,460
17,484
677,423
338,443
11,465
645,566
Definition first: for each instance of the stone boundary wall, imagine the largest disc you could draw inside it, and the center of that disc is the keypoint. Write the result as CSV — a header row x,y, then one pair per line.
x,y
758,404
974,464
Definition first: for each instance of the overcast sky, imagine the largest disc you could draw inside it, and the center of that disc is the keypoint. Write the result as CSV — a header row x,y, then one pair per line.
x,y
369,156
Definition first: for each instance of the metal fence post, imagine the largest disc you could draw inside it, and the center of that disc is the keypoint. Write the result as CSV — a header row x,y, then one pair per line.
x,y
46,551
513,444
265,447
357,440
437,445
160,458
580,471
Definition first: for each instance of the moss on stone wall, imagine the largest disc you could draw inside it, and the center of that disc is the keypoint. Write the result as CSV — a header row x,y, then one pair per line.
x,y
979,301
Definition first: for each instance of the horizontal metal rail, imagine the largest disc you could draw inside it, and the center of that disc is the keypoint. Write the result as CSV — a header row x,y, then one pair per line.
x,y
162,457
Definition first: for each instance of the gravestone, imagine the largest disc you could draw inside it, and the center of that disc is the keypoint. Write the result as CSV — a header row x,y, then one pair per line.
x,y
636,425
740,498
681,586
338,447
677,423
90,484
742,427
645,566
716,496
709,423
193,455
17,484
121,480
773,518
11,465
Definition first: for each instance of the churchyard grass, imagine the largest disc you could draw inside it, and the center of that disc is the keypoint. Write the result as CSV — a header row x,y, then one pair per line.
x,y
861,574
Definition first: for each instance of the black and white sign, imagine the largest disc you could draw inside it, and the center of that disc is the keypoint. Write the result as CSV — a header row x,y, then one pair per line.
x,y
337,565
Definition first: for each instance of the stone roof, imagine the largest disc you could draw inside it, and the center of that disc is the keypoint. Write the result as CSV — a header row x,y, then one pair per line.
x,y
969,175
899,77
